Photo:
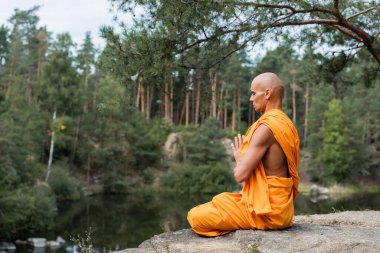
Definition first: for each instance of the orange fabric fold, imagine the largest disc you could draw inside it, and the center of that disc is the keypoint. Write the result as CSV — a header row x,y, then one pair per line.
x,y
255,190
265,202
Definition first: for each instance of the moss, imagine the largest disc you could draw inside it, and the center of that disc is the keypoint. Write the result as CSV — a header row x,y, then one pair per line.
x,y
254,249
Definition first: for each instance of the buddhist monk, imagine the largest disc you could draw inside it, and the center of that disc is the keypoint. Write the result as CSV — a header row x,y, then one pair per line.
x,y
267,159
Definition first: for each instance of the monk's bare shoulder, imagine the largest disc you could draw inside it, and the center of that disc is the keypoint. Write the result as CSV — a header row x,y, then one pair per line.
x,y
262,137
260,142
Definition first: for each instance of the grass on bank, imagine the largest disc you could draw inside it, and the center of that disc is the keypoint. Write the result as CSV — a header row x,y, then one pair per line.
x,y
338,189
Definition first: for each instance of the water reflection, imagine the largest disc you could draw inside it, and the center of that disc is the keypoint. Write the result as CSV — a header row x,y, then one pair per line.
x,y
319,204
119,222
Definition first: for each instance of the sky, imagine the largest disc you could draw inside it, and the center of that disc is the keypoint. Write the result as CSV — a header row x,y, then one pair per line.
x,y
73,16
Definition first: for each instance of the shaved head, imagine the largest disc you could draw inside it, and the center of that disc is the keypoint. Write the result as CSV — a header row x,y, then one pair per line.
x,y
267,91
270,80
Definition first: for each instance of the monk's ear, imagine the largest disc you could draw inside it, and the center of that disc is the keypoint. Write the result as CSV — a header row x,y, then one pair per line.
x,y
268,93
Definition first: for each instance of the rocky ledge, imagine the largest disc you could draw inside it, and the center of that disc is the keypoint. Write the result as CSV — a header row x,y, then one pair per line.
x,y
350,231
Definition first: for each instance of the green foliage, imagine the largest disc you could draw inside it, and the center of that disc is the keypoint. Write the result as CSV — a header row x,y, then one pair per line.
x,y
214,29
4,44
23,130
206,168
148,177
205,146
61,79
192,179
63,128
322,94
46,206
63,185
334,155
110,97
26,209
362,105
147,138
122,144
86,55
115,182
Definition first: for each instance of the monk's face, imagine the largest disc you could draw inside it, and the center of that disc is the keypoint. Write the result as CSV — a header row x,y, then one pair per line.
x,y
258,97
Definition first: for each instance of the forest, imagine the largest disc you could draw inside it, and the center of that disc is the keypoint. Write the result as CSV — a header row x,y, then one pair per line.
x,y
75,117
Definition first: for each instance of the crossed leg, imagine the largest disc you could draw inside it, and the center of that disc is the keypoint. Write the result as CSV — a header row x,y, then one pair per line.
x,y
225,213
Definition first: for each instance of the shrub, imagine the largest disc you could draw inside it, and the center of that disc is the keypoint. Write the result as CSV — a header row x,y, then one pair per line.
x,y
205,146
63,185
46,206
147,138
26,210
201,179
148,176
115,183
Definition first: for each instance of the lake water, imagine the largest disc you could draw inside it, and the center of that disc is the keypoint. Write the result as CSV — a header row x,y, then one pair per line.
x,y
119,222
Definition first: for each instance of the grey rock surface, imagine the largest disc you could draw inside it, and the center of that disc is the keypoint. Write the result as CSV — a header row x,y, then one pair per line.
x,y
172,148
350,231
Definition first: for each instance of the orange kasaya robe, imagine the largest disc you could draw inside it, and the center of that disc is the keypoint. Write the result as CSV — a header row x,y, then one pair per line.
x,y
266,202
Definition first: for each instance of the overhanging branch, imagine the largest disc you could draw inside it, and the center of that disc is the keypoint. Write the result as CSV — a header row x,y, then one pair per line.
x,y
362,12
348,32
278,6
246,28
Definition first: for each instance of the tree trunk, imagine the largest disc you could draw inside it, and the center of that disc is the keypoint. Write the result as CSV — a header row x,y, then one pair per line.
x,y
193,92
88,167
220,102
162,101
233,116
197,102
51,149
182,113
187,99
142,89
166,102
293,86
148,102
171,98
238,111
211,84
178,112
213,94
225,117
138,93
306,114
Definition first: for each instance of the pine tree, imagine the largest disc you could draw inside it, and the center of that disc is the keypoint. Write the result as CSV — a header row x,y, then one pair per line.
x,y
334,156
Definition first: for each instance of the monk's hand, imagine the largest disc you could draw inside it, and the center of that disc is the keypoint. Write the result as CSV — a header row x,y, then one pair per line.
x,y
236,146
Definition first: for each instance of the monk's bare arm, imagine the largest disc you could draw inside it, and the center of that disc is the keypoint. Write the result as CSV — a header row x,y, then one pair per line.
x,y
262,138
